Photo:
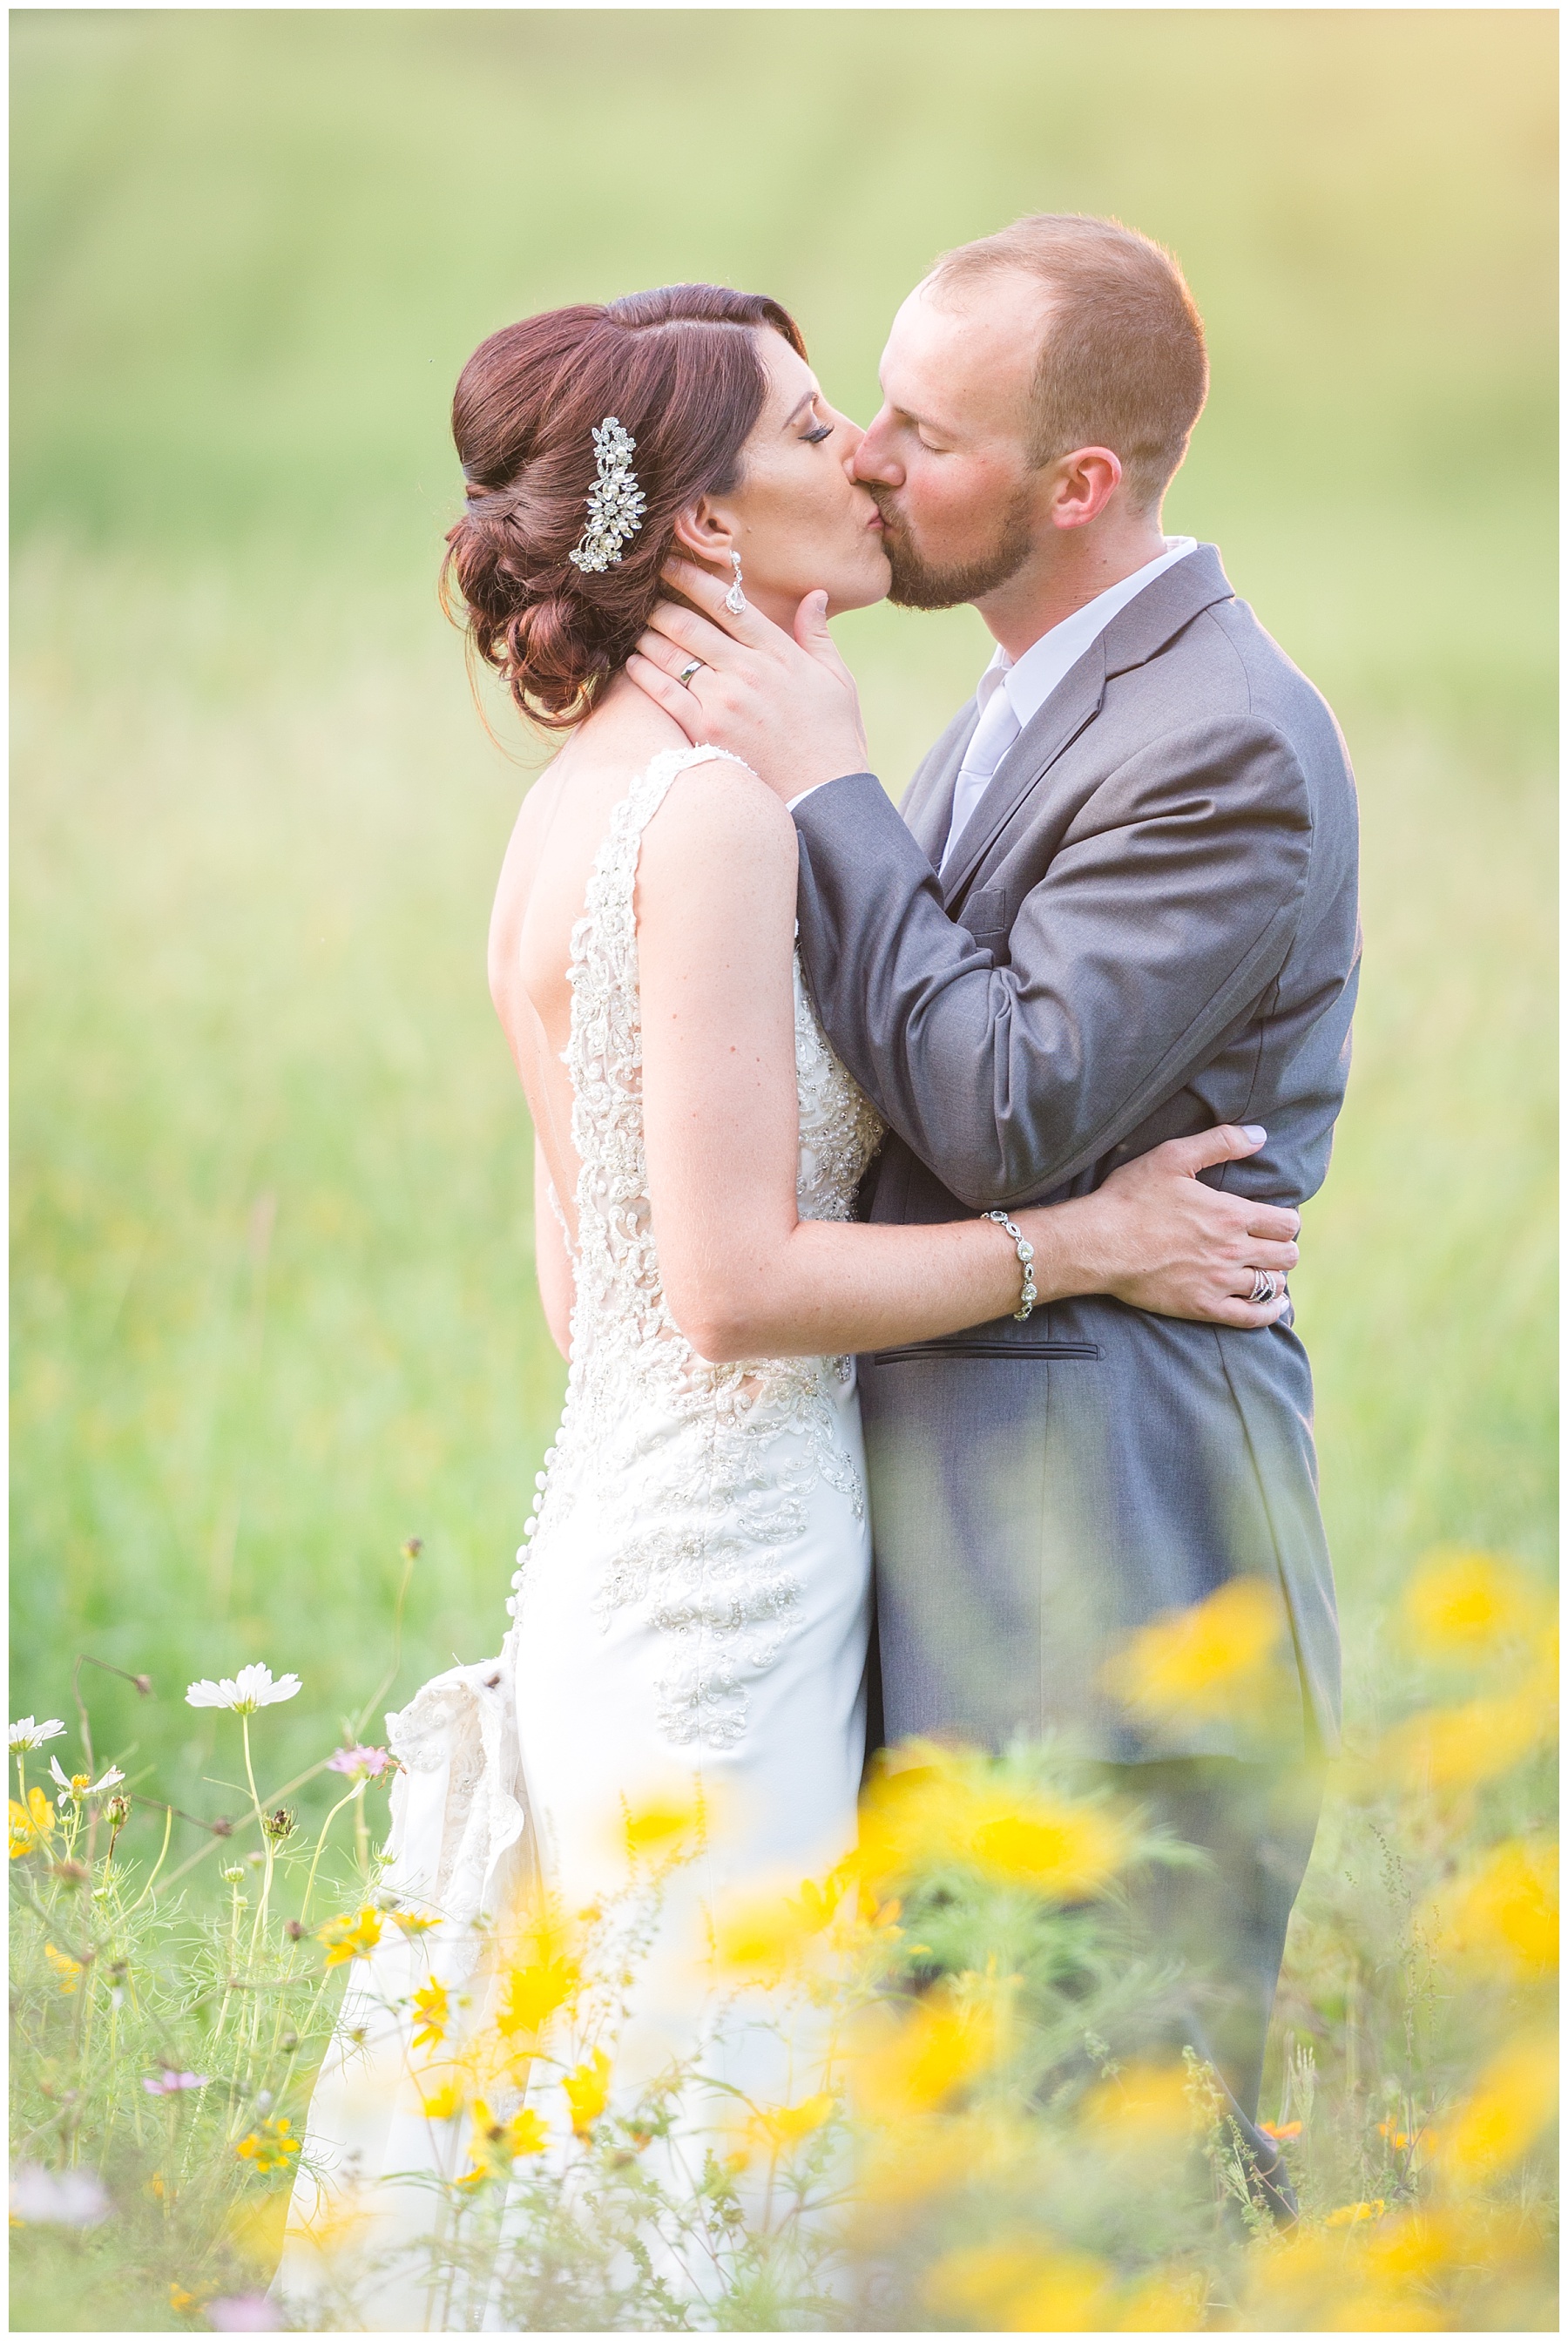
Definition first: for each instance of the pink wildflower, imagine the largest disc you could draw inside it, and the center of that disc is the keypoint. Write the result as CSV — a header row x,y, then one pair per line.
x,y
371,1761
248,2312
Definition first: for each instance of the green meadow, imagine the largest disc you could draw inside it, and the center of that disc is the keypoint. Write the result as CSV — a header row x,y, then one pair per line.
x,y
274,1306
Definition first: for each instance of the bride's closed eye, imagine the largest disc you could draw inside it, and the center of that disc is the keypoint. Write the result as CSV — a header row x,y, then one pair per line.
x,y
822,431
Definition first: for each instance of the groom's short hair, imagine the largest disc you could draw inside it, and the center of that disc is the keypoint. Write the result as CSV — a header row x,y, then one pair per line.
x,y
1123,364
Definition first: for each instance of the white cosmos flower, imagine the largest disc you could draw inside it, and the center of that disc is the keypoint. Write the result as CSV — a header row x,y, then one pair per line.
x,y
252,1688
83,1785
60,2198
28,1734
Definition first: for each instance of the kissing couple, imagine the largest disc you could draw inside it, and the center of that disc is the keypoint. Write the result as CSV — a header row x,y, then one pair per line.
x,y
916,1190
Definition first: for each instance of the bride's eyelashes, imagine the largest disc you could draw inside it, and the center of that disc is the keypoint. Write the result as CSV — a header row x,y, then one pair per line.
x,y
822,431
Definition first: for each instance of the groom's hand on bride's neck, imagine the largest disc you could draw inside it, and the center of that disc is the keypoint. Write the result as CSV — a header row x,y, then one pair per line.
x,y
784,702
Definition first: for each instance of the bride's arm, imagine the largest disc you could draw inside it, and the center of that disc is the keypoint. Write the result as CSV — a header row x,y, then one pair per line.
x,y
743,1276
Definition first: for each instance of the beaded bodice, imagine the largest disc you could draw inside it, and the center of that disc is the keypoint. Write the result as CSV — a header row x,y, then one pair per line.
x,y
710,1461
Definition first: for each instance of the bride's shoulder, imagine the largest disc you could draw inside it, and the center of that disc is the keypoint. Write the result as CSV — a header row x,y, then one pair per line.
x,y
715,806
720,850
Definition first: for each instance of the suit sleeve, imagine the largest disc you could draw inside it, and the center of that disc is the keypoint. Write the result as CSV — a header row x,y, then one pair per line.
x,y
1165,914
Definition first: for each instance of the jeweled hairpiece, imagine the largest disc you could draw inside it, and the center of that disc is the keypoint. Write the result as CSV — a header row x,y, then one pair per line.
x,y
615,501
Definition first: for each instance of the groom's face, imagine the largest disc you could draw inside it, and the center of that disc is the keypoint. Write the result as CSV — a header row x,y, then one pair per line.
x,y
947,455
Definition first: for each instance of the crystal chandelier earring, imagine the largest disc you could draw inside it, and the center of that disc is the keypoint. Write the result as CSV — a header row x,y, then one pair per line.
x,y
735,600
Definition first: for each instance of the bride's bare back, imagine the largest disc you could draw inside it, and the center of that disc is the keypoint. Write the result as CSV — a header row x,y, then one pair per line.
x,y
539,898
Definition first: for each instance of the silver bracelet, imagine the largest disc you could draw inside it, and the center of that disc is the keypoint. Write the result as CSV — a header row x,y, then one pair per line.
x,y
1026,1252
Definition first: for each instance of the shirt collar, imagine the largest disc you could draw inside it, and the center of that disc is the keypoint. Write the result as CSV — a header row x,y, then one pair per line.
x,y
1030,679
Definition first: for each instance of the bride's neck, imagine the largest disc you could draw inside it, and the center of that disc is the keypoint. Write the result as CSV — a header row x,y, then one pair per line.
x,y
626,723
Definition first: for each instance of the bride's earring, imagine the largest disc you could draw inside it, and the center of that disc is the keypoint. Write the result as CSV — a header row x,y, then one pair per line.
x,y
735,600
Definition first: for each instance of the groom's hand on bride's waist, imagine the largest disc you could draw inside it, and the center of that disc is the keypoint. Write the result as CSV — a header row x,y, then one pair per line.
x,y
785,703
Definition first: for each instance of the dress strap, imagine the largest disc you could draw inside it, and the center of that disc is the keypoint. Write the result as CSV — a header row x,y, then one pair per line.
x,y
606,933
647,794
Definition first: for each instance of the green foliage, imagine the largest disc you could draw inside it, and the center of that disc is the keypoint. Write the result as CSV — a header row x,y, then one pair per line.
x,y
113,1988
273,1294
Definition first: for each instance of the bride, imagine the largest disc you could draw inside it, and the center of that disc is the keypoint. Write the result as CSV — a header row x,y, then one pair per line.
x,y
692,1608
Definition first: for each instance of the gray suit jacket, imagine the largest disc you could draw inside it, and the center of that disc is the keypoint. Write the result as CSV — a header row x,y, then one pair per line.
x,y
1150,926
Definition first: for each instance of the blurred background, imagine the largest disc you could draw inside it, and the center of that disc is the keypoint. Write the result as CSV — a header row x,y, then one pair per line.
x,y
273,1298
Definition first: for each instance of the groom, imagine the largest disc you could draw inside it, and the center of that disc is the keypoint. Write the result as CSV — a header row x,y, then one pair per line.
x,y
1119,906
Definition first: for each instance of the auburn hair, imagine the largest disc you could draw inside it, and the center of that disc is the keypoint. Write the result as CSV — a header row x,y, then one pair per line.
x,y
1123,364
681,369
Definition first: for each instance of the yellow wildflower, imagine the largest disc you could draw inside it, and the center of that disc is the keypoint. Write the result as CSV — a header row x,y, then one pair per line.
x,y
446,2102
68,1970
1463,1604
184,2303
1214,1660
1444,1751
432,2014
1412,2244
1350,2214
782,2126
32,1824
1308,2281
1020,2287
921,2155
533,1993
1144,2108
946,1807
1062,1850
660,1825
412,1922
1164,2304
588,2092
935,2051
1505,1911
506,2140
1513,2101
270,2146
765,1933
350,1938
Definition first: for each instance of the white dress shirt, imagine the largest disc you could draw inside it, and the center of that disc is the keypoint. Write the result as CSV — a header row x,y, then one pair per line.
x,y
1013,691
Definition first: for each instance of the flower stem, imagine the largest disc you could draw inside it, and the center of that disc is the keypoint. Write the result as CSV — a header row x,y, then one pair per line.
x,y
357,1790
392,1673
168,1825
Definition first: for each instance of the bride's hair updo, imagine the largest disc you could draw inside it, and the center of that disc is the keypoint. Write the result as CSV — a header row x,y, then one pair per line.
x,y
681,370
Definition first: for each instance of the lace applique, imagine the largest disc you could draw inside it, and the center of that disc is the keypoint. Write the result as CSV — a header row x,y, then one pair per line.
x,y
685,1461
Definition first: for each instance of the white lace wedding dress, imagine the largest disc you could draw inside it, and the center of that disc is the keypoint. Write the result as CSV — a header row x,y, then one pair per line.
x,y
690,1615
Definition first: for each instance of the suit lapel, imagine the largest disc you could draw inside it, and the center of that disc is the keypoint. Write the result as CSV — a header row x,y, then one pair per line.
x,y
927,805
1134,635
1074,702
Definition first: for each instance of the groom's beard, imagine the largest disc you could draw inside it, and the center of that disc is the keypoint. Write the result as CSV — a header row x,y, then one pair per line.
x,y
921,584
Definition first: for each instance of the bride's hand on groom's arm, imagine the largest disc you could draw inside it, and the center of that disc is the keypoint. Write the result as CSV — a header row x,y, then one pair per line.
x,y
786,705
1156,1237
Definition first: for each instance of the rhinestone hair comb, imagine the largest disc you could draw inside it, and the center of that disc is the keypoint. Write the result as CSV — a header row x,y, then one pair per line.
x,y
615,502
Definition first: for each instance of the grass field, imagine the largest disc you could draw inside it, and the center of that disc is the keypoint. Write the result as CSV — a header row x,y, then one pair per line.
x,y
272,1284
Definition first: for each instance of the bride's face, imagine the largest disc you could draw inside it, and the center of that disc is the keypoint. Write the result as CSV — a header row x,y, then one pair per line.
x,y
798,520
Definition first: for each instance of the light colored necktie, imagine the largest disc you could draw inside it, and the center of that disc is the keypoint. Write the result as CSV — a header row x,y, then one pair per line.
x,y
993,735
